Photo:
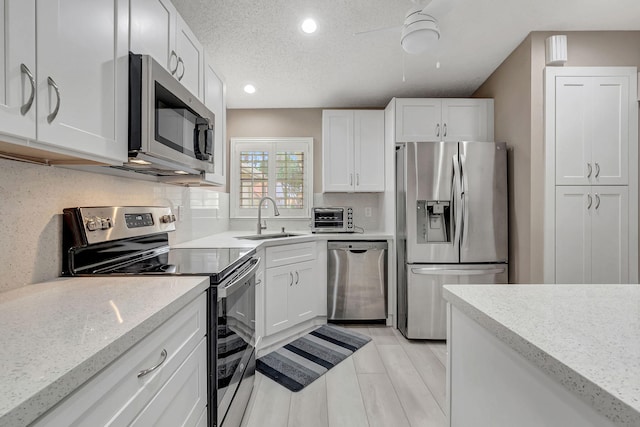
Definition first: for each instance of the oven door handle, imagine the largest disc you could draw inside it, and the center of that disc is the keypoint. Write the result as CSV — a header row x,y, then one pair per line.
x,y
237,283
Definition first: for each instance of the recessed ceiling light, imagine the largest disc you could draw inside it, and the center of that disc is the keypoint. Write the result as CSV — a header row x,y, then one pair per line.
x,y
250,89
309,26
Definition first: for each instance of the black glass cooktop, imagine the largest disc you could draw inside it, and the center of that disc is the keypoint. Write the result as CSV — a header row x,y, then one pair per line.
x,y
216,263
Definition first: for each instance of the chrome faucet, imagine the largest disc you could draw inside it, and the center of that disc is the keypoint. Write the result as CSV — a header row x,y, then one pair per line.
x,y
275,212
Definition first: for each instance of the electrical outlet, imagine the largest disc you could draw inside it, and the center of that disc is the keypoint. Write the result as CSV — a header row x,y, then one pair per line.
x,y
367,212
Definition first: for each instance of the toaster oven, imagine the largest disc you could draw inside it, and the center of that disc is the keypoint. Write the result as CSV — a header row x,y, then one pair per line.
x,y
332,220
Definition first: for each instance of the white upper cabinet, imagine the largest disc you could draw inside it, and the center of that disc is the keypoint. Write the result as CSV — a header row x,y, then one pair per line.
x,y
79,50
215,100
425,119
158,30
190,59
17,73
74,104
592,137
353,150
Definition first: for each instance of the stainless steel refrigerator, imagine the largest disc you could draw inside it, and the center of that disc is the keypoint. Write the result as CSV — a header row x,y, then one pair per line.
x,y
452,226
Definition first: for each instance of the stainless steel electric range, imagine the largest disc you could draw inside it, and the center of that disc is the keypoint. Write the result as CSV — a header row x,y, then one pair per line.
x,y
133,240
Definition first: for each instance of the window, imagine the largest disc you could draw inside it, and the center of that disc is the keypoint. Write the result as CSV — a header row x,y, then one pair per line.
x,y
275,167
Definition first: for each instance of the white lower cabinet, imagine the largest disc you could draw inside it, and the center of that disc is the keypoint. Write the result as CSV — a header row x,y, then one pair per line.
x,y
289,298
290,286
592,234
173,392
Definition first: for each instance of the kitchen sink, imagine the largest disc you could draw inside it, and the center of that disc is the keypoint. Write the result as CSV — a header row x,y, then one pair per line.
x,y
268,236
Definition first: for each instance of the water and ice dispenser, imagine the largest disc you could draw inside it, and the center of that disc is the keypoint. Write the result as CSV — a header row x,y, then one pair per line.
x,y
434,221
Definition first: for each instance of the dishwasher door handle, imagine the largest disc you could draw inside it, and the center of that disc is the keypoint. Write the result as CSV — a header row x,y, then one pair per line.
x,y
436,271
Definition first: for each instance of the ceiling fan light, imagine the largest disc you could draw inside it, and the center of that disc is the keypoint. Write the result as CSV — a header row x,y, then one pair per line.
x,y
420,35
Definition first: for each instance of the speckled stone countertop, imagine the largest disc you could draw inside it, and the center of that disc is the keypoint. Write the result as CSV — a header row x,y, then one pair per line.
x,y
56,335
587,337
231,239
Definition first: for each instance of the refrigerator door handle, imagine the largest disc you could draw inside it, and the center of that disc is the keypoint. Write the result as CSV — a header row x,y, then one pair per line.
x,y
439,271
456,189
463,200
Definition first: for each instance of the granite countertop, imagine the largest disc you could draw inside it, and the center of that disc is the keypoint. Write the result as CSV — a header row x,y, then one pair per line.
x,y
56,335
229,239
587,337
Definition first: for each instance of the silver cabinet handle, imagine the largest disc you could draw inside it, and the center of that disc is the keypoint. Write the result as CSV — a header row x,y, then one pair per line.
x,y
291,275
297,277
445,130
597,201
173,55
588,170
163,357
357,179
350,179
597,169
54,113
438,129
590,201
27,106
183,68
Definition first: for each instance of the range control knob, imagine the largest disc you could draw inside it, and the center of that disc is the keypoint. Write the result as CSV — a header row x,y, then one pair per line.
x,y
106,223
92,224
168,218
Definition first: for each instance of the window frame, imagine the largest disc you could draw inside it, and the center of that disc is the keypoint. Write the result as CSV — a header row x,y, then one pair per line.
x,y
271,145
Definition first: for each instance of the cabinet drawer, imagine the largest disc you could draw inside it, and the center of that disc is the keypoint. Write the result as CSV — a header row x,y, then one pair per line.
x,y
181,400
115,396
289,254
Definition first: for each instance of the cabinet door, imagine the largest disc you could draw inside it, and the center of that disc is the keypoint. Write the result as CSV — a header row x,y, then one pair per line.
x,y
609,126
337,151
302,293
573,139
190,58
418,119
573,234
369,150
465,120
610,234
214,99
153,30
82,59
17,87
278,282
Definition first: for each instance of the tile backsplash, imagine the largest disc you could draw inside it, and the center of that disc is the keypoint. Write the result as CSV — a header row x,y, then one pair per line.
x,y
32,198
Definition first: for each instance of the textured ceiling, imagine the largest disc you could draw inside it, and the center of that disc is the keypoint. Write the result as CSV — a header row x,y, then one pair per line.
x,y
259,42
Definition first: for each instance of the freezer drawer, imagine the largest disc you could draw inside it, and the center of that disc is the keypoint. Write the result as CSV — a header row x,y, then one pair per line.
x,y
421,308
357,280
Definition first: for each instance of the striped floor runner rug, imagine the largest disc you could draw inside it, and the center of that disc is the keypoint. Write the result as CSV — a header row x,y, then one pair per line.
x,y
299,363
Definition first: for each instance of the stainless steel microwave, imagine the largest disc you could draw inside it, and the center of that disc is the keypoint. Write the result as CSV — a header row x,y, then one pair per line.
x,y
170,130
332,220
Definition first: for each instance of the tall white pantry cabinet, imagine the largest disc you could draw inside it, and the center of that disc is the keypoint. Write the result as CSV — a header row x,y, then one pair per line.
x,y
591,177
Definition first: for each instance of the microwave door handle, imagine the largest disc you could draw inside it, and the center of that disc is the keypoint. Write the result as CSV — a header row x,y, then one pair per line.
x,y
237,283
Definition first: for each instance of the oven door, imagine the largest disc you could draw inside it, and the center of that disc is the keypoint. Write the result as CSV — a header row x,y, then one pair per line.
x,y
236,336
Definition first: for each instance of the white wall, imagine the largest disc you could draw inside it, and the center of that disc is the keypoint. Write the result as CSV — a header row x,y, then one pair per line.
x,y
32,198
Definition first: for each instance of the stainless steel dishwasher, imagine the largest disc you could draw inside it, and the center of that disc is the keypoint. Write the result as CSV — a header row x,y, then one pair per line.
x,y
357,280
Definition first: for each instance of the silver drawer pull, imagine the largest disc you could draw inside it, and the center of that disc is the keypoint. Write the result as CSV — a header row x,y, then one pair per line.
x,y
163,357
588,170
597,170
590,201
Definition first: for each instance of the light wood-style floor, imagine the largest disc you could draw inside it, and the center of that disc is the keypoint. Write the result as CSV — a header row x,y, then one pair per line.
x,y
391,381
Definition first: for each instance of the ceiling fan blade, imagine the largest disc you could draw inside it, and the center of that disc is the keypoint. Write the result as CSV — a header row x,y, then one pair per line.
x,y
438,8
396,28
